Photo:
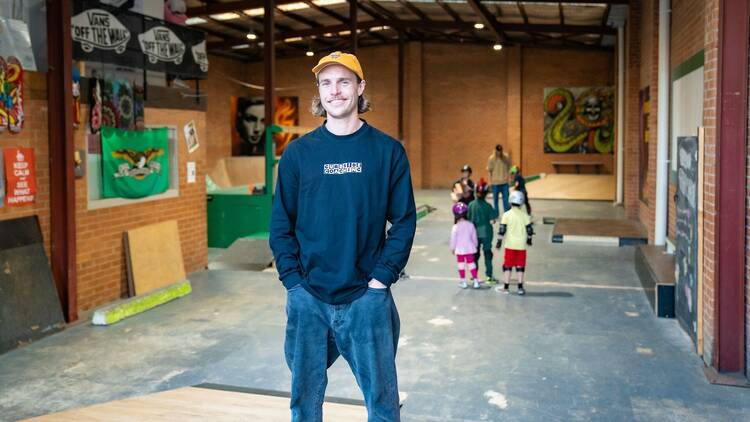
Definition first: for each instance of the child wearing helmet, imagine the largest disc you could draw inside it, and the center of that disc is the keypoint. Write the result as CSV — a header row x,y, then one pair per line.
x,y
516,230
464,244
519,184
463,188
483,216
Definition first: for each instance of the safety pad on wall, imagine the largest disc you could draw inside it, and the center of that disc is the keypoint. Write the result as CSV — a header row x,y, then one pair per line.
x,y
29,306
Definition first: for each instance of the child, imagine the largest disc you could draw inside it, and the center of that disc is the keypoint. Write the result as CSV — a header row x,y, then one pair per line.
x,y
519,184
464,244
463,188
516,230
482,215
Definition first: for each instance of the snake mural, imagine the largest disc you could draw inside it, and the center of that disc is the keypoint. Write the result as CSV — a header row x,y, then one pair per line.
x,y
578,120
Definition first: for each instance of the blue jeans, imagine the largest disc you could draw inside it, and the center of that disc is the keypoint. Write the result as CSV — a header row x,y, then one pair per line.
x,y
365,332
498,189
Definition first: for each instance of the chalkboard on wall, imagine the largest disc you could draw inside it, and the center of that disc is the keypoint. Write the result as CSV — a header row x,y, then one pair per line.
x,y
686,254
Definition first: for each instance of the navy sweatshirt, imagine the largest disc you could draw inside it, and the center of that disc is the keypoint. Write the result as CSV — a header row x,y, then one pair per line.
x,y
333,197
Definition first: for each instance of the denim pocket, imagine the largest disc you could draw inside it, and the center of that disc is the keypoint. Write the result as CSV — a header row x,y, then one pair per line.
x,y
372,289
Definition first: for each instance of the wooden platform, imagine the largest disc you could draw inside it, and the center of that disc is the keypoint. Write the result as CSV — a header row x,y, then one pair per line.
x,y
205,403
655,269
592,187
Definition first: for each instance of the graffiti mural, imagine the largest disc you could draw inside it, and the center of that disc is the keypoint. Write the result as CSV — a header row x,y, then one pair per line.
x,y
11,95
579,120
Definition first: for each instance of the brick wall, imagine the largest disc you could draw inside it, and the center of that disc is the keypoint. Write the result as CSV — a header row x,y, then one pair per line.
x,y
711,25
546,68
100,257
649,77
687,38
219,89
35,135
687,32
456,85
747,251
464,102
632,110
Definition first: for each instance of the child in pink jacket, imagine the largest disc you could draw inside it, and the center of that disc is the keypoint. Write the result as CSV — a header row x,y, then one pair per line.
x,y
464,244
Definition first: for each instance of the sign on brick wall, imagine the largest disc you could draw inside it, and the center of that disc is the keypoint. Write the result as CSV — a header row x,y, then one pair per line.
x,y
20,176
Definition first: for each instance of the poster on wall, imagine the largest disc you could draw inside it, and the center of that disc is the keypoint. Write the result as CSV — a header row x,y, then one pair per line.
x,y
134,164
579,120
644,133
115,103
191,136
20,177
248,124
110,35
686,249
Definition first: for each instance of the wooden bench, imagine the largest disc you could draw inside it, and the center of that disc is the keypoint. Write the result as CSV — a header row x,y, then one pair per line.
x,y
578,165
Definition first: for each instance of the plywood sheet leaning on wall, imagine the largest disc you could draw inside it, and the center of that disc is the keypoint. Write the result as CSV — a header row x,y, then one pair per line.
x,y
154,257
29,305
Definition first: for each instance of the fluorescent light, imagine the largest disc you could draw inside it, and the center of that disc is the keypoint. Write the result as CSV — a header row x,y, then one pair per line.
x,y
293,6
347,32
251,36
497,47
309,53
327,2
478,25
258,11
225,16
240,47
379,28
293,39
195,21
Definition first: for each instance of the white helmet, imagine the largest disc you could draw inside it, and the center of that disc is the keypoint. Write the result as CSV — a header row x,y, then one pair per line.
x,y
516,197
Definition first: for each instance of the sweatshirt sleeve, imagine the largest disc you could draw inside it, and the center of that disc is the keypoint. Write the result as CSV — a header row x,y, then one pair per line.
x,y
403,218
282,237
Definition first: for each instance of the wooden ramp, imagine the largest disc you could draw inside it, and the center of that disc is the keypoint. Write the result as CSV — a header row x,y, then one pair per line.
x,y
206,403
591,187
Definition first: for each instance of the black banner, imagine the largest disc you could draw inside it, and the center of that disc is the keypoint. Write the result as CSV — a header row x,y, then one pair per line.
x,y
109,35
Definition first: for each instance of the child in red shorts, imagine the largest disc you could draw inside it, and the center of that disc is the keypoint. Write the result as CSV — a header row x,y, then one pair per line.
x,y
516,230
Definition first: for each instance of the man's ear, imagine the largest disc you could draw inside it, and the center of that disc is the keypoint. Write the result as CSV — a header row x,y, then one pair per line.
x,y
361,87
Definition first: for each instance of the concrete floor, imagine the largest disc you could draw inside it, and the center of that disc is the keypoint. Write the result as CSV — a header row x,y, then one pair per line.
x,y
582,345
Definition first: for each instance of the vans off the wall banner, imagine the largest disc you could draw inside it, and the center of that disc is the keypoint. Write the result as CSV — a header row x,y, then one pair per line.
x,y
135,164
109,35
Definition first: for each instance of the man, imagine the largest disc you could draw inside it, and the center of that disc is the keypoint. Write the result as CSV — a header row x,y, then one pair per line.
x,y
337,187
498,165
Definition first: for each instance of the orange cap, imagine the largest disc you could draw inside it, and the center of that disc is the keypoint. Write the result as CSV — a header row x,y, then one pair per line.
x,y
347,60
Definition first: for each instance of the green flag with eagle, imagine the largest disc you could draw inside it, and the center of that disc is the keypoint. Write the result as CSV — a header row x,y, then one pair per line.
x,y
135,163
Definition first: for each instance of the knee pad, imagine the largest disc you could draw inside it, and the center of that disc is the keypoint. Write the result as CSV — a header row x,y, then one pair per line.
x,y
520,269
507,268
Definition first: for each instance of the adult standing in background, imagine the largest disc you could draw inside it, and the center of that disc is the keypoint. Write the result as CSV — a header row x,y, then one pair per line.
x,y
499,167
